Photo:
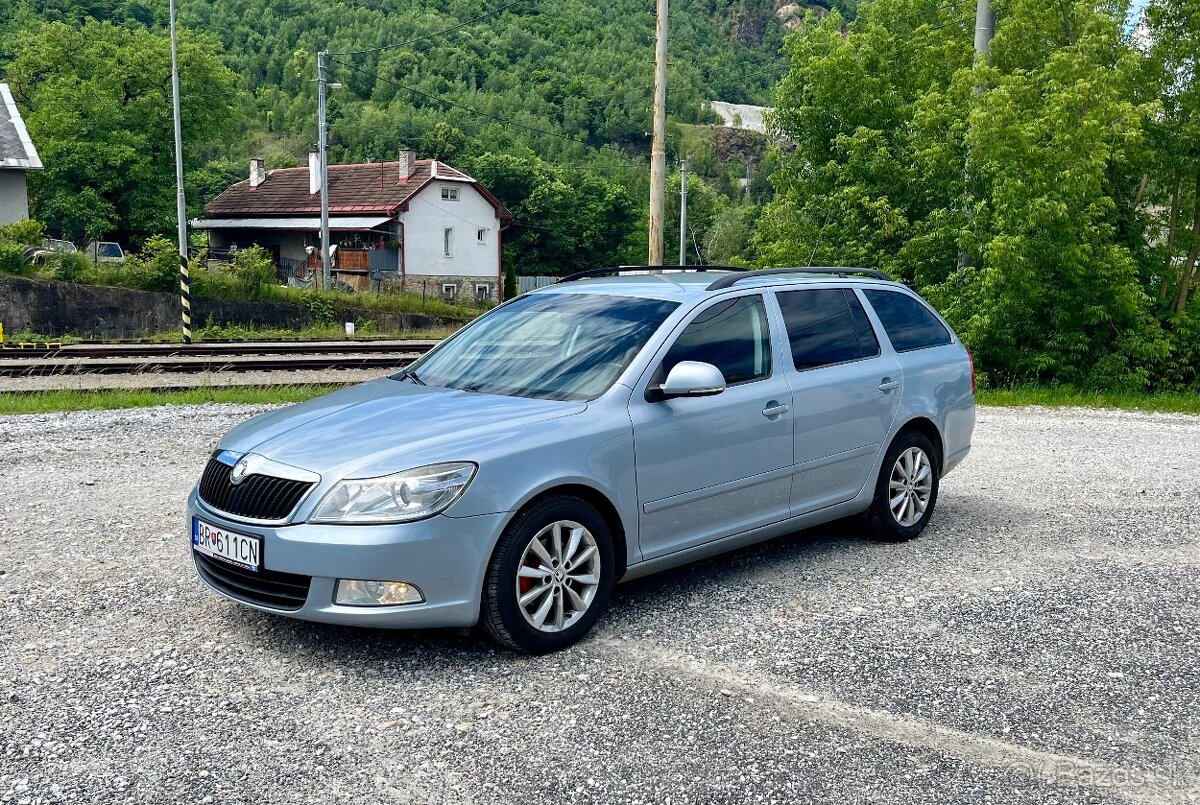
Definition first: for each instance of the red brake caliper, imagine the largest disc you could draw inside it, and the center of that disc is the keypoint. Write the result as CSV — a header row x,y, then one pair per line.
x,y
526,584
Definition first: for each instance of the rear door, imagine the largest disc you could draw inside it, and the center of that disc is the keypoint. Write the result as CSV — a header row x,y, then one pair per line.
x,y
709,467
845,393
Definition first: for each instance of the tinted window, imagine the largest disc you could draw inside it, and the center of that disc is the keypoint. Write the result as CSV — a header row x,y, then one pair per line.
x,y
909,324
732,335
825,327
554,346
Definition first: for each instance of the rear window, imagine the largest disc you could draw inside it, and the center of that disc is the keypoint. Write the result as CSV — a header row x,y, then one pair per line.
x,y
909,324
826,327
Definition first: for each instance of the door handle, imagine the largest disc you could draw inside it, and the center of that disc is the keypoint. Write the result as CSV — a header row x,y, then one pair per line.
x,y
889,385
775,409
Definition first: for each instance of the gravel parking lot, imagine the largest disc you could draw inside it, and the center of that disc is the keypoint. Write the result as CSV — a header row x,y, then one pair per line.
x,y
1038,644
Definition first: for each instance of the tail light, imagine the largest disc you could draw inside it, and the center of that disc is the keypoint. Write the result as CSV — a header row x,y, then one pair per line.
x,y
971,360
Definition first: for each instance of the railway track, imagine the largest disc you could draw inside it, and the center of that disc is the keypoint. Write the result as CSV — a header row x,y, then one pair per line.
x,y
128,359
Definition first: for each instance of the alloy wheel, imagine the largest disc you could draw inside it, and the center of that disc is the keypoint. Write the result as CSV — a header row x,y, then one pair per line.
x,y
910,486
558,576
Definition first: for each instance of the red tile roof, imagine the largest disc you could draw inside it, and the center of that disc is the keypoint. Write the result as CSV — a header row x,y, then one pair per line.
x,y
374,187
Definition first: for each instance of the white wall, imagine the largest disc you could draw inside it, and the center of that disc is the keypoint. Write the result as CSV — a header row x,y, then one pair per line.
x,y
13,201
428,215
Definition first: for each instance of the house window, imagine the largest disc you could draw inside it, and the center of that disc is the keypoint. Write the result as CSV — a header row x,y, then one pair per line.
x,y
448,241
483,292
449,291
449,194
481,236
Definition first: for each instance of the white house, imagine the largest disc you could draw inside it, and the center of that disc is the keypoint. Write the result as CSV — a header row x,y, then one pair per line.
x,y
418,224
17,157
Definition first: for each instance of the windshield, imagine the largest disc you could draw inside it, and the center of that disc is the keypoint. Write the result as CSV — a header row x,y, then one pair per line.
x,y
549,346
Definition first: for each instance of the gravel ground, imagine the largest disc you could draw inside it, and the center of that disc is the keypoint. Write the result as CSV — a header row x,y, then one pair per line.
x,y
1037,645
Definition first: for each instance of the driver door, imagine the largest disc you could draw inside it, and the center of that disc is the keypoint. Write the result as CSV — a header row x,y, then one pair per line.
x,y
710,467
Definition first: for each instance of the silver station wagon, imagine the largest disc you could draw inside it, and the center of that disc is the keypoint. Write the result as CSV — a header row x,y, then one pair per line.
x,y
609,426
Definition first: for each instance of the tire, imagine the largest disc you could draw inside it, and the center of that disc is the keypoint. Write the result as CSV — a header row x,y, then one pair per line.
x,y
513,624
887,525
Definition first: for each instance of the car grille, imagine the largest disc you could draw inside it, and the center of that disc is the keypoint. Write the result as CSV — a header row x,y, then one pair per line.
x,y
268,588
260,497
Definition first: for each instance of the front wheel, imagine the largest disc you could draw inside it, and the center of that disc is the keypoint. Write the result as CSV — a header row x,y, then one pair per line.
x,y
550,576
906,490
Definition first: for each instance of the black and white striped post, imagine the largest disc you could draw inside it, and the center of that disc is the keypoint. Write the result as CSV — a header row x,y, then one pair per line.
x,y
185,299
185,283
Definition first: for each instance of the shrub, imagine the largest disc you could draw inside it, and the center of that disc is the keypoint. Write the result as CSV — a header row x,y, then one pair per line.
x,y
12,259
22,233
161,265
68,266
322,312
253,273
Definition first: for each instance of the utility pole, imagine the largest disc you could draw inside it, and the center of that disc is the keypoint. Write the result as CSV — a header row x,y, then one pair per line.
x,y
185,284
658,147
322,147
985,29
683,166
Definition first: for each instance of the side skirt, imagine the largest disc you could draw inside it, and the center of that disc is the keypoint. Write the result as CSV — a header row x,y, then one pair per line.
x,y
808,520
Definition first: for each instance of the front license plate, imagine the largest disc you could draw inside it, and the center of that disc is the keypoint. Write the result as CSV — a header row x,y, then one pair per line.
x,y
237,549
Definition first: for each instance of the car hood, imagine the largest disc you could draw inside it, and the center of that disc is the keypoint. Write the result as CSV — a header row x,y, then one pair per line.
x,y
387,426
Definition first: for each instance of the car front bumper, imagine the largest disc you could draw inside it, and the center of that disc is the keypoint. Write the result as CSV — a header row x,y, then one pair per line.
x,y
445,557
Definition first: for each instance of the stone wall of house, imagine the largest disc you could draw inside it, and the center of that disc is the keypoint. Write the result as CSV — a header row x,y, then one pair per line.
x,y
93,311
433,286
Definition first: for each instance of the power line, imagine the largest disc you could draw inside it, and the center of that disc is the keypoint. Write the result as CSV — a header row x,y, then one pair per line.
x,y
432,34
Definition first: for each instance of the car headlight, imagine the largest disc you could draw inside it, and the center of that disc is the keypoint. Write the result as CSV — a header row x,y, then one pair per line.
x,y
410,495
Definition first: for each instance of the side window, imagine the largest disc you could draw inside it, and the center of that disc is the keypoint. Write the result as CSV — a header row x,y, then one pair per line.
x,y
826,327
733,335
909,324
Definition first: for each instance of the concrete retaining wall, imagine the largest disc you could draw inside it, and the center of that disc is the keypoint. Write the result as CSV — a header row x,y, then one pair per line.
x,y
92,311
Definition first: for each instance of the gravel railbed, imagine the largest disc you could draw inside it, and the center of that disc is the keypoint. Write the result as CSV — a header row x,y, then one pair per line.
x,y
163,381
1038,644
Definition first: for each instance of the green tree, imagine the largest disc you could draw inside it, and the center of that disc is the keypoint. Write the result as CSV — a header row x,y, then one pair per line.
x,y
906,156
444,142
728,237
510,282
562,225
1173,32
97,102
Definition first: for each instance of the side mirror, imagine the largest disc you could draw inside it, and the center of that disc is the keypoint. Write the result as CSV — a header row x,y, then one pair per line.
x,y
693,379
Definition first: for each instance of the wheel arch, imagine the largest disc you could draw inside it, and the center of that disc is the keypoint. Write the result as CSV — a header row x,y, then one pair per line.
x,y
602,504
929,429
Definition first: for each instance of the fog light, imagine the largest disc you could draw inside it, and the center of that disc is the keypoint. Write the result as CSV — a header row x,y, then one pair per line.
x,y
356,593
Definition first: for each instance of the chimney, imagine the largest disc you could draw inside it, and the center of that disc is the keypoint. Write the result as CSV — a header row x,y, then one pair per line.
x,y
408,163
314,172
258,172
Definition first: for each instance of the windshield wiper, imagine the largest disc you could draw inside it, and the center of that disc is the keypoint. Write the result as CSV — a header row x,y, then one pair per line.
x,y
411,375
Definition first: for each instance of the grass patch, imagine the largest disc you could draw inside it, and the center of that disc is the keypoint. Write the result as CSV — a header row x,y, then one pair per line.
x,y
45,402
1065,396
30,337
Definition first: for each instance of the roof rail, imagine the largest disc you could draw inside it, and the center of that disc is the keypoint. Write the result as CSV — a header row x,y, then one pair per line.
x,y
728,280
604,272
